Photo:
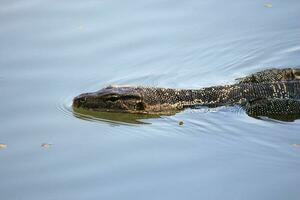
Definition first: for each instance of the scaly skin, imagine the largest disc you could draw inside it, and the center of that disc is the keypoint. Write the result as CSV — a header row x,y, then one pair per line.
x,y
248,93
272,75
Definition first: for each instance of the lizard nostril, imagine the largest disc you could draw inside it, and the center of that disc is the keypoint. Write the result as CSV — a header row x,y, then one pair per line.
x,y
76,102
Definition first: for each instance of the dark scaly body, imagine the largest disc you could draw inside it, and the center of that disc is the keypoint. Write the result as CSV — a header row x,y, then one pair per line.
x,y
163,101
220,95
272,75
248,93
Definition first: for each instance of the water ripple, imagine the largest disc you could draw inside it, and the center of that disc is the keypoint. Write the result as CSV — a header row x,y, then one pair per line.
x,y
51,52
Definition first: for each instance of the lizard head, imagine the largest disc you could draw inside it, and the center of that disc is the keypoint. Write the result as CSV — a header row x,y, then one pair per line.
x,y
112,99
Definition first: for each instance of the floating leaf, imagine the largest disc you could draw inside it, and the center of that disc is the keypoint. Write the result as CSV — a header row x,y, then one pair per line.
x,y
180,123
46,145
3,146
268,5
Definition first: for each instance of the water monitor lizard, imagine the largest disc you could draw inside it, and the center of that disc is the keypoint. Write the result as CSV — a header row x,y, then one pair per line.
x,y
274,93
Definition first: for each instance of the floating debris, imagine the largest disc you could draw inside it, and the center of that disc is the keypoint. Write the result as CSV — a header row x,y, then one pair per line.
x,y
3,146
180,123
295,145
46,145
268,5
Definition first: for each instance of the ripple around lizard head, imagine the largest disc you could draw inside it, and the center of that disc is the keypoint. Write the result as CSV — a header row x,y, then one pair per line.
x,y
65,107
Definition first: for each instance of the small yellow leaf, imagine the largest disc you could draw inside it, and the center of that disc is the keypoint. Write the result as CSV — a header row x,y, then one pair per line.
x,y
3,146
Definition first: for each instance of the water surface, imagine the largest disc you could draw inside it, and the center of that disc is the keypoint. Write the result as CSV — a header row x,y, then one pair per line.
x,y
52,51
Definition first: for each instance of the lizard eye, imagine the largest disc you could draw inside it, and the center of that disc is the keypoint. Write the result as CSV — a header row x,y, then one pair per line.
x,y
82,100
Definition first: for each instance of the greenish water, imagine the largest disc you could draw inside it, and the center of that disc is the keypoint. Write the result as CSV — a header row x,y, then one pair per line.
x,y
52,51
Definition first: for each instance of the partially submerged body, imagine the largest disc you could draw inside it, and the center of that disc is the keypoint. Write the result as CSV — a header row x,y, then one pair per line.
x,y
266,93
